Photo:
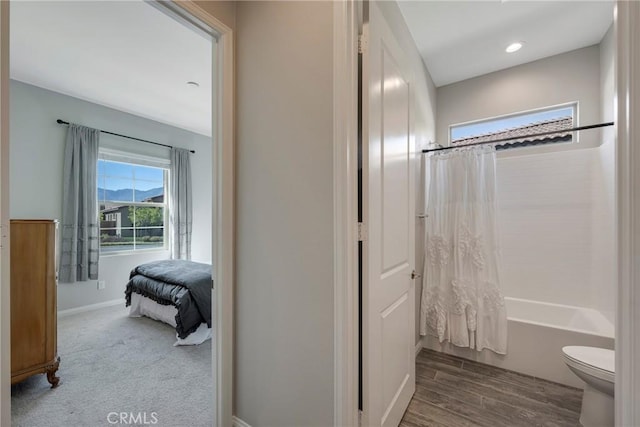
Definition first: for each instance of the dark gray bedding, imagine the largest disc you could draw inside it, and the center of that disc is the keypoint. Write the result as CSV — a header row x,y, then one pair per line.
x,y
184,284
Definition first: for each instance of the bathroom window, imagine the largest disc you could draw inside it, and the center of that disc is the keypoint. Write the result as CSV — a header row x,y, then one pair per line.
x,y
550,119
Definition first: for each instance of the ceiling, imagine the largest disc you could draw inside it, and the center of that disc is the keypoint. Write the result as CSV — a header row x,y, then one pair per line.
x,y
459,40
125,55
132,57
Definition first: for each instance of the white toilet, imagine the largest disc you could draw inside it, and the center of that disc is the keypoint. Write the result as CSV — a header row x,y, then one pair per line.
x,y
596,367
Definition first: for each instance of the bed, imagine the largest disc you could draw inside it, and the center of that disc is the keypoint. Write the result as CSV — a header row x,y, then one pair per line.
x,y
176,292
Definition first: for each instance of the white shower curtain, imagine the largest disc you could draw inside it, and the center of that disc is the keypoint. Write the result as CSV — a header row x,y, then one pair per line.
x,y
461,297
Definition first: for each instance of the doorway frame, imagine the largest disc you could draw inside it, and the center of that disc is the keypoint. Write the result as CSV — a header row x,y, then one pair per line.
x,y
346,18
5,288
222,212
627,346
223,209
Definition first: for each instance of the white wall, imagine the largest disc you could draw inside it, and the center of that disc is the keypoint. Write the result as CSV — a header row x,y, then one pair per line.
x,y
223,10
37,146
284,296
604,218
555,223
284,258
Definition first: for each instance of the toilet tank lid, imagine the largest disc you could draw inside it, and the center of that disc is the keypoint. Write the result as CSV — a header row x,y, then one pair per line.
x,y
600,358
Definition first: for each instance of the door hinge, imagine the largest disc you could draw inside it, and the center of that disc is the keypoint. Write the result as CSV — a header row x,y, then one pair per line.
x,y
362,232
362,44
212,284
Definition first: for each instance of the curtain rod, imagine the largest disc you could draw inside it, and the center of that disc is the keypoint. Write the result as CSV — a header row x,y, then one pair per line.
x,y
599,125
62,122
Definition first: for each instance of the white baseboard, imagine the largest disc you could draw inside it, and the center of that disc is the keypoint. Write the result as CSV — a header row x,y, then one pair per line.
x,y
418,346
237,422
90,307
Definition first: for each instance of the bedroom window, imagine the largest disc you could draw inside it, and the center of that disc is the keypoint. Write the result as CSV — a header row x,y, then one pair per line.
x,y
550,119
132,205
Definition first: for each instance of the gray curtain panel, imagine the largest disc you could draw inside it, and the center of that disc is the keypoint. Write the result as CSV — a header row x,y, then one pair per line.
x,y
80,231
180,210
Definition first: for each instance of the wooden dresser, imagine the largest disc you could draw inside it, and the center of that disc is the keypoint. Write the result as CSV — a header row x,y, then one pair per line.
x,y
34,348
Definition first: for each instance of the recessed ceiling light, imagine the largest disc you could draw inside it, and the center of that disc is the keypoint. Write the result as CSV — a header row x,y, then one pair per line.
x,y
193,84
514,47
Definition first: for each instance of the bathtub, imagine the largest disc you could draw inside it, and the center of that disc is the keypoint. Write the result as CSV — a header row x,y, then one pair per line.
x,y
537,331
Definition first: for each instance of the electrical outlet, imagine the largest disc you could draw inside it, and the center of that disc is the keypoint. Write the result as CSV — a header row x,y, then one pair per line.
x,y
101,284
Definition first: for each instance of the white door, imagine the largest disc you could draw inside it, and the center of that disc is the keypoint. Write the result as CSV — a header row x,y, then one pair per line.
x,y
388,199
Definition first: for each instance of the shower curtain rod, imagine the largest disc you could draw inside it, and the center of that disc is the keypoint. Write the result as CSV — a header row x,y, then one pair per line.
x,y
62,122
599,125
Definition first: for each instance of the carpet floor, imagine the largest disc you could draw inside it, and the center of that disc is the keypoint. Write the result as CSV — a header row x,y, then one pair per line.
x,y
113,363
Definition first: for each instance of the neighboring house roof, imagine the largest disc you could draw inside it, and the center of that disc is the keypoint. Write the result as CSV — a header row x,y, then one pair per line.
x,y
114,209
532,128
155,199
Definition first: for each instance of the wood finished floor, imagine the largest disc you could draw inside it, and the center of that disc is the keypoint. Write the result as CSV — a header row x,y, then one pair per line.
x,y
453,392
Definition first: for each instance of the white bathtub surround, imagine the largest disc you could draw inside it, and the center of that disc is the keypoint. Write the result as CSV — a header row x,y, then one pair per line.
x,y
596,367
556,203
537,333
461,300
